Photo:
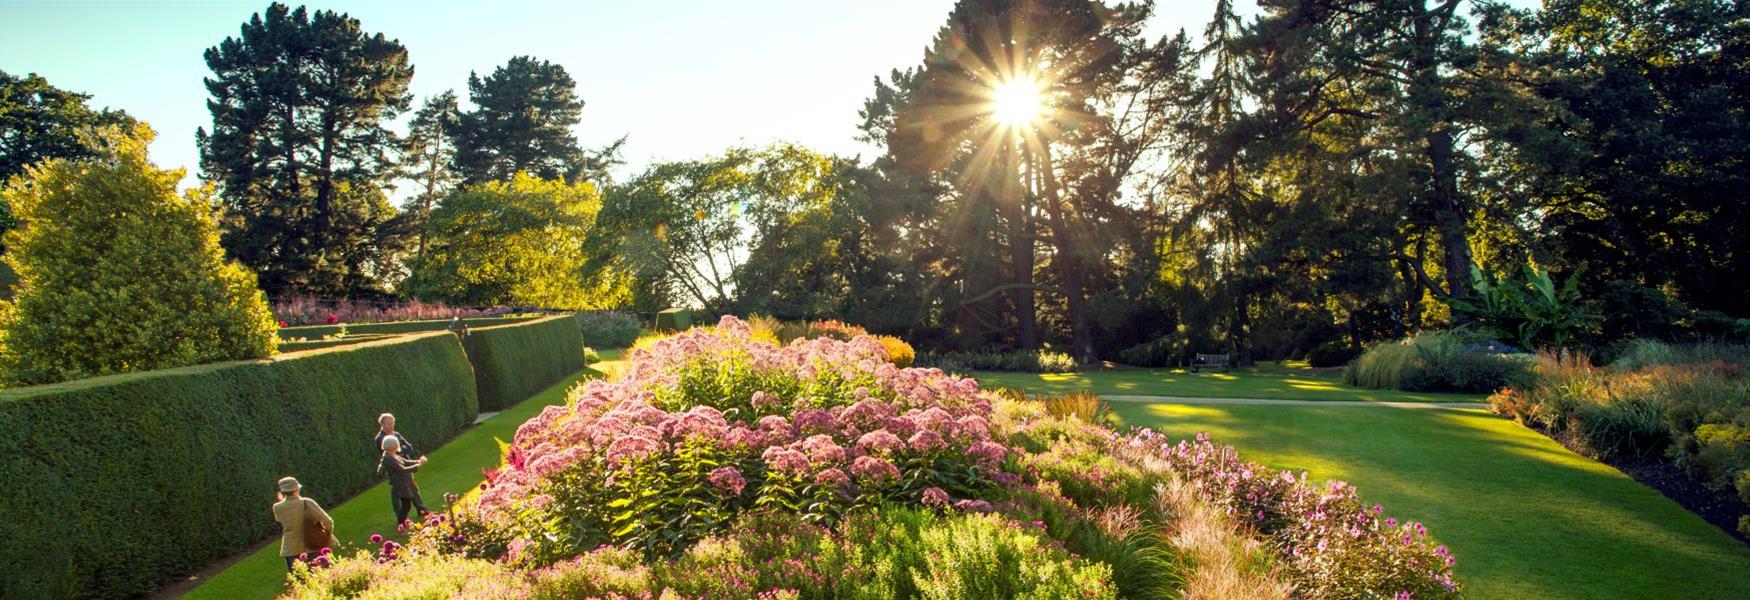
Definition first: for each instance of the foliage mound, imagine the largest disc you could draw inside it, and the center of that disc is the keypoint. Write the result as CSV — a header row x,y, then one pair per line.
x,y
608,329
1030,361
720,466
116,484
1436,362
512,362
118,273
1680,403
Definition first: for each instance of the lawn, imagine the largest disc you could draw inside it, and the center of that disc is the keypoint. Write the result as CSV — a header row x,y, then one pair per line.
x,y
1526,517
453,468
1266,381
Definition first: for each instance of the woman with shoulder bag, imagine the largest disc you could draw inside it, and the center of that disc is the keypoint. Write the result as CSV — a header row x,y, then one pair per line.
x,y
304,526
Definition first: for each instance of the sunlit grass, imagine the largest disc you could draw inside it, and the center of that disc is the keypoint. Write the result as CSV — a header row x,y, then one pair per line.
x,y
1267,381
1526,517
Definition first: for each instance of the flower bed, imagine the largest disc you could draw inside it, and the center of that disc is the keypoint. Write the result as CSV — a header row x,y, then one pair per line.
x,y
723,467
303,310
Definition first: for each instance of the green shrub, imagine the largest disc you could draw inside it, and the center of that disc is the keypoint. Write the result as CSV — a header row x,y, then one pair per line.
x,y
116,484
118,273
1334,353
606,329
513,362
1634,427
1642,353
1722,455
1035,361
674,319
315,332
1435,362
1165,351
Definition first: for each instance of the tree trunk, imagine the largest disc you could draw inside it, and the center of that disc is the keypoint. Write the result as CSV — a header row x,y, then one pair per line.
x,y
1021,257
1451,219
1074,286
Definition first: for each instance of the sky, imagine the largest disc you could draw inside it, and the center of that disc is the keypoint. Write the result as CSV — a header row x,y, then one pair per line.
x,y
681,79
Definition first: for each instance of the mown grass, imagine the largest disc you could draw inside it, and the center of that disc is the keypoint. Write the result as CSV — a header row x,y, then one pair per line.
x,y
1526,517
456,467
1270,381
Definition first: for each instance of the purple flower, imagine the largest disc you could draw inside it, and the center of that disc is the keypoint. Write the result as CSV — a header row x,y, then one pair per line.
x,y
988,454
874,470
926,441
832,478
879,442
785,460
935,497
973,506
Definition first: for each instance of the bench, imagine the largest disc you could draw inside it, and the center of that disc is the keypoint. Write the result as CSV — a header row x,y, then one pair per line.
x,y
1211,361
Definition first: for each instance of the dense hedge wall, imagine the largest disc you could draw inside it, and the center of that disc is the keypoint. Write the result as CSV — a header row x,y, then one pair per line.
x,y
315,332
114,484
512,362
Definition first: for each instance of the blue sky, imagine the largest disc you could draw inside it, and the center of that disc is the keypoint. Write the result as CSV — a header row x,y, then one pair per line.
x,y
682,79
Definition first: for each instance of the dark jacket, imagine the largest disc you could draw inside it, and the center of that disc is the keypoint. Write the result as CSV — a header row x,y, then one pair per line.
x,y
400,473
406,448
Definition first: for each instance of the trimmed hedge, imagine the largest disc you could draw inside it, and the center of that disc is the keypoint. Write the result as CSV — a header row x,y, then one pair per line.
x,y
115,484
330,343
608,329
674,319
316,332
512,362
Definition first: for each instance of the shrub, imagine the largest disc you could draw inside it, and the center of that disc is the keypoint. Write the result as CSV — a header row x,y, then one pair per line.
x,y
1166,351
899,353
1435,362
1642,353
604,329
117,273
674,319
183,460
1334,353
513,362
1035,361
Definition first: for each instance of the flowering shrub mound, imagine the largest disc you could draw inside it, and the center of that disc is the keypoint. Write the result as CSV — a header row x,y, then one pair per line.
x,y
306,310
721,466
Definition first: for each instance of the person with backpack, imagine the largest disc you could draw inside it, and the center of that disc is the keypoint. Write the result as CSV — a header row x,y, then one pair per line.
x,y
301,521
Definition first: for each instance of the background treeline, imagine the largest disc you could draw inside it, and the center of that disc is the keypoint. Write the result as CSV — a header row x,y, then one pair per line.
x,y
1314,173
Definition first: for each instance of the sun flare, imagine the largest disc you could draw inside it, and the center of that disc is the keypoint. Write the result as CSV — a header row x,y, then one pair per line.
x,y
1017,103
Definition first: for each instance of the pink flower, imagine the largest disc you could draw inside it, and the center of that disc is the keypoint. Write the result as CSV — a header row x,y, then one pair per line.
x,y
763,401
935,497
832,477
376,538
927,441
988,454
785,460
973,506
874,470
728,480
632,447
972,428
879,441
822,450
814,420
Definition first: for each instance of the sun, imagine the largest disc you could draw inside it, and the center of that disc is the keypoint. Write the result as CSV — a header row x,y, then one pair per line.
x,y
1017,102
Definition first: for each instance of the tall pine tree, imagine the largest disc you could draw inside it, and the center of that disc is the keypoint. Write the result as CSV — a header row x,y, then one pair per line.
x,y
300,104
521,122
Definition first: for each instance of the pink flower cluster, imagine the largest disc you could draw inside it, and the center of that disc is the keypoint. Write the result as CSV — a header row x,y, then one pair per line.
x,y
817,411
1327,536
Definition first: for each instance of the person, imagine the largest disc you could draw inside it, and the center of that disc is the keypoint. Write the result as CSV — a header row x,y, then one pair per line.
x,y
403,491
290,512
386,428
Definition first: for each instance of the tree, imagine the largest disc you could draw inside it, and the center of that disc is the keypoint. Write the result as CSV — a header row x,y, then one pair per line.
x,y
156,293
300,104
519,243
39,121
426,153
521,123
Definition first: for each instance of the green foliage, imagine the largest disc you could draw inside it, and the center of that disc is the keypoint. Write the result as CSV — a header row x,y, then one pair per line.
x,y
425,155
322,331
1435,362
1334,353
521,123
674,319
40,121
116,484
1642,353
604,329
517,242
1034,361
299,148
156,293
512,362
1530,312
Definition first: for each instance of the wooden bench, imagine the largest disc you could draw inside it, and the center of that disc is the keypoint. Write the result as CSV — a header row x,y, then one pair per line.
x,y
1211,361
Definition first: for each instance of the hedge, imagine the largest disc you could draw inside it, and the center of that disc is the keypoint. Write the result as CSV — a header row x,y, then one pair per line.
x,y
316,332
674,319
115,484
512,362
349,340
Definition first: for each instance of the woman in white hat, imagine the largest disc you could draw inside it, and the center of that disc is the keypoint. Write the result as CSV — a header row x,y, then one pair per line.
x,y
290,511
